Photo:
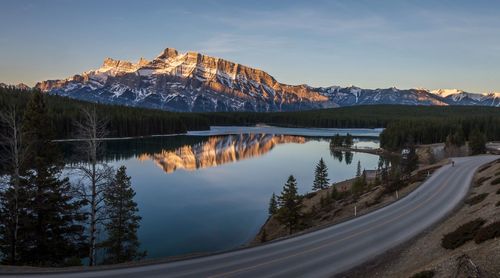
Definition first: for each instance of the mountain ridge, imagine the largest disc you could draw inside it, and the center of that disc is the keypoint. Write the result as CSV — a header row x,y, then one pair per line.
x,y
194,82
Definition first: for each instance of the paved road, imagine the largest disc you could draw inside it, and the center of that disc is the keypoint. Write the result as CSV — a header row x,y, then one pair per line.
x,y
332,250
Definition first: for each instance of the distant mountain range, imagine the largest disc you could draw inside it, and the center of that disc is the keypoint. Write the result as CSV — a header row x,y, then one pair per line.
x,y
20,86
195,82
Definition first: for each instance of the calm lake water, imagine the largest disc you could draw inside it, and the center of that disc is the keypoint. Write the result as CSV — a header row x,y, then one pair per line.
x,y
210,193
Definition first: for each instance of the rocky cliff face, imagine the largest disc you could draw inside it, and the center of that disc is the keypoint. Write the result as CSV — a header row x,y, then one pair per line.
x,y
195,82
186,82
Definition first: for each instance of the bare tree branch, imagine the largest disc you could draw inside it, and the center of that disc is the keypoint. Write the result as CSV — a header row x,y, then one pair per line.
x,y
15,154
95,176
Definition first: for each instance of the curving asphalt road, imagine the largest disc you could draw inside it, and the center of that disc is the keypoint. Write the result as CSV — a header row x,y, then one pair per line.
x,y
329,251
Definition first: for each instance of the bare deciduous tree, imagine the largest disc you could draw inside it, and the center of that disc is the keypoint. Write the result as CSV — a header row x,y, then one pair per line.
x,y
95,176
14,155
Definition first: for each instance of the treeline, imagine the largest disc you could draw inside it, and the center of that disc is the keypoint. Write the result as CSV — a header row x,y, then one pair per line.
x,y
366,116
427,130
122,121
48,220
403,123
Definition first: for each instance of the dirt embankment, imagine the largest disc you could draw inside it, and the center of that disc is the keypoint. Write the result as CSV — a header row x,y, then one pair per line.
x,y
426,255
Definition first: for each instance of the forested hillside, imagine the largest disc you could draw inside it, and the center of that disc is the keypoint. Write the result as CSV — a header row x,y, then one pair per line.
x,y
404,124
122,121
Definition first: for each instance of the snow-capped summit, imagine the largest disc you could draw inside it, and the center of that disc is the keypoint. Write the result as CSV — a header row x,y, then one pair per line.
x,y
446,92
193,81
459,97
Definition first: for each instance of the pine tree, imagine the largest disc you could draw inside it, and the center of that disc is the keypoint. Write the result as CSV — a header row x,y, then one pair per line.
x,y
348,142
273,205
122,243
336,141
477,142
56,234
290,205
409,162
360,182
321,180
383,169
456,139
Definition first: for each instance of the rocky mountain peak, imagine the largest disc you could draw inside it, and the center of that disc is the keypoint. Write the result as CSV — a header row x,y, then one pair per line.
x,y
142,62
23,86
447,92
168,53
110,62
118,66
20,86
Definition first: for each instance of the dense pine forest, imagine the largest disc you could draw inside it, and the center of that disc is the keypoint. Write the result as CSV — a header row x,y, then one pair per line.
x,y
122,121
403,124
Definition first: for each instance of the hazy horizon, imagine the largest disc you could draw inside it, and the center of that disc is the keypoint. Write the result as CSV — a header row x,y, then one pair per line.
x,y
429,44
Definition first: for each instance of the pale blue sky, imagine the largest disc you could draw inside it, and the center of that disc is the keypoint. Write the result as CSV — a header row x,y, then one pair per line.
x,y
371,44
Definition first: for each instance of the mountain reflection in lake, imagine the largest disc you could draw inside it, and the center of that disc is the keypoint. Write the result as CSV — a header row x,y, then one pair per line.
x,y
204,194
218,150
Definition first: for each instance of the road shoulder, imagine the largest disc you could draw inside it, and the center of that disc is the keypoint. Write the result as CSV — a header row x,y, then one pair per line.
x,y
425,252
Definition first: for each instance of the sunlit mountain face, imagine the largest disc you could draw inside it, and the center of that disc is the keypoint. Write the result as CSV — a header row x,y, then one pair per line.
x,y
194,82
218,150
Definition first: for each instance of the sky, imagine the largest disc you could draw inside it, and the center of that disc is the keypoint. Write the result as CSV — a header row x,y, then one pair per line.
x,y
371,44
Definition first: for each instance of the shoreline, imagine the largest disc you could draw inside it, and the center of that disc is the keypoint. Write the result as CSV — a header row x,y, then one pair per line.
x,y
257,129
386,200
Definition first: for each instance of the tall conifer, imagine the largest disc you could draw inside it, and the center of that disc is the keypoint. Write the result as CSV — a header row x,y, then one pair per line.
x,y
290,205
56,235
122,244
321,180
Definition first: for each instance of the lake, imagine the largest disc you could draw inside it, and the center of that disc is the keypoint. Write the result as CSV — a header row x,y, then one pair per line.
x,y
209,191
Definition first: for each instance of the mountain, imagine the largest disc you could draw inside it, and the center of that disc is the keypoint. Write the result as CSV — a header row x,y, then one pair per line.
x,y
195,82
459,97
186,82
20,86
